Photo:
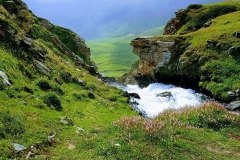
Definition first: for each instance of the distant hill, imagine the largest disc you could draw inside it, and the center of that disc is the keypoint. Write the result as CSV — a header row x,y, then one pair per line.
x,y
113,55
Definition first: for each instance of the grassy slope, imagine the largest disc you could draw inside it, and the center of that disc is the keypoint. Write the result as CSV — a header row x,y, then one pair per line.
x,y
222,66
113,56
217,67
93,115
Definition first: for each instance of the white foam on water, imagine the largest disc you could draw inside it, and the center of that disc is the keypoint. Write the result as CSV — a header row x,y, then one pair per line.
x,y
151,105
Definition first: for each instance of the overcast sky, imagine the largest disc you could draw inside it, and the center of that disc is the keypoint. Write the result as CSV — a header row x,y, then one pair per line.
x,y
95,18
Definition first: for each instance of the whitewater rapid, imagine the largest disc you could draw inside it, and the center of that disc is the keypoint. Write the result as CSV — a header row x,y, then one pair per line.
x,y
150,105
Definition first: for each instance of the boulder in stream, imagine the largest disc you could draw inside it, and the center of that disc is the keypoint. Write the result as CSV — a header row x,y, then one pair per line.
x,y
234,106
164,94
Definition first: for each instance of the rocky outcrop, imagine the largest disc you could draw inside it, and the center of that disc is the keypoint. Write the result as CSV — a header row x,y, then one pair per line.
x,y
154,54
176,23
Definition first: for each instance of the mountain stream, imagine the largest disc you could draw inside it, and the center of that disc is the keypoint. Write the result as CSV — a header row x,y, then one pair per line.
x,y
152,102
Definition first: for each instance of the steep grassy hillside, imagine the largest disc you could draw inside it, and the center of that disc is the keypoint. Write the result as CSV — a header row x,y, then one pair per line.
x,y
51,103
213,54
113,56
46,87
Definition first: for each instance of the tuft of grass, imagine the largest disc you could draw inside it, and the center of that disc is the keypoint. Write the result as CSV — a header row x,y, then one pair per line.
x,y
52,101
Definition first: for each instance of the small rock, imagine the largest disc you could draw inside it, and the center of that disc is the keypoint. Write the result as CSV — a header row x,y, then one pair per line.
x,y
18,147
79,130
233,106
80,61
42,68
231,94
117,145
30,155
134,95
66,121
5,78
207,24
51,137
71,146
164,94
68,63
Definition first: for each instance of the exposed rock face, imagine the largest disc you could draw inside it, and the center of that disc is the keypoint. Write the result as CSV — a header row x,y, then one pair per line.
x,y
154,54
175,23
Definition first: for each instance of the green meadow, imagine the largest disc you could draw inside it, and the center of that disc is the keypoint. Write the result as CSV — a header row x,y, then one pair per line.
x,y
113,55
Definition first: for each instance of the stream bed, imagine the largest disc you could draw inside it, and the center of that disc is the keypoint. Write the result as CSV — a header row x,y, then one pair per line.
x,y
151,101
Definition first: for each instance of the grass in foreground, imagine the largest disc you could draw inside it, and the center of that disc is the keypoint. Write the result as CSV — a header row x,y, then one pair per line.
x,y
207,131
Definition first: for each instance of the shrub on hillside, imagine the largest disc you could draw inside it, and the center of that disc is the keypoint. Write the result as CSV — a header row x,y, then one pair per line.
x,y
66,77
194,6
51,100
44,85
27,89
91,87
2,86
58,90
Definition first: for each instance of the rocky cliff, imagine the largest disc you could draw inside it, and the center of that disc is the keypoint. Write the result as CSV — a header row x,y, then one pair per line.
x,y
199,49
